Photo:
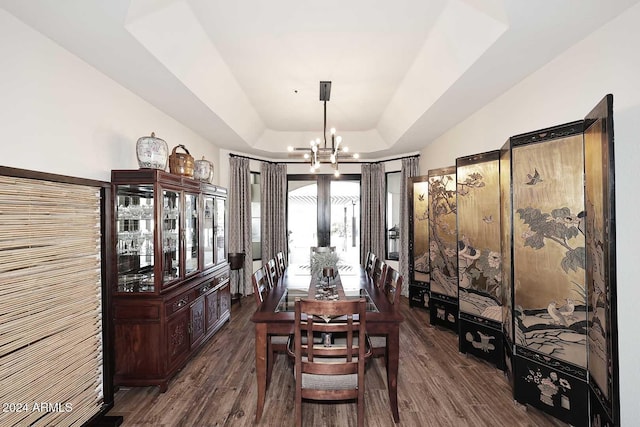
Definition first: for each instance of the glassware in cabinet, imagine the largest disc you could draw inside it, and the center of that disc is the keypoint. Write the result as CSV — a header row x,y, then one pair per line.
x,y
220,231
170,235
134,238
192,233
208,231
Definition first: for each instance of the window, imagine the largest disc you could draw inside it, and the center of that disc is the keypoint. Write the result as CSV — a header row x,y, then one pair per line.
x,y
393,215
255,216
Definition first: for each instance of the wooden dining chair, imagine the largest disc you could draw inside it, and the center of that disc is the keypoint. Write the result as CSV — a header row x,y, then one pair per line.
x,y
379,273
333,369
275,343
330,371
281,263
392,287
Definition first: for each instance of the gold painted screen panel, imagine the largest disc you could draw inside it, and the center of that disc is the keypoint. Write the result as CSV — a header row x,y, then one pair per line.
x,y
479,253
420,229
443,252
548,248
598,351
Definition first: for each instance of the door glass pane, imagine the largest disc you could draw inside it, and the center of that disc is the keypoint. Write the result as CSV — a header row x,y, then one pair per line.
x,y
256,242
208,231
302,222
345,221
221,248
191,233
170,246
393,214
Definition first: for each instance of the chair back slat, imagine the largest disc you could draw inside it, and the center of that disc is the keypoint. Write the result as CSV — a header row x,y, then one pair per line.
x,y
346,319
260,286
281,263
271,273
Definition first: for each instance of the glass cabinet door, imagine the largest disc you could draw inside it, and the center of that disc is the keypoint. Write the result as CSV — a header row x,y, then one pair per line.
x,y
191,233
170,235
220,244
208,227
134,238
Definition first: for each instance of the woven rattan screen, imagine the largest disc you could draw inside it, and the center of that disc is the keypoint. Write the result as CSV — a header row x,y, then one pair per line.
x,y
51,356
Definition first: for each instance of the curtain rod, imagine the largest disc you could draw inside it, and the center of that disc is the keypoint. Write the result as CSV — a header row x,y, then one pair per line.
x,y
257,160
394,158
303,162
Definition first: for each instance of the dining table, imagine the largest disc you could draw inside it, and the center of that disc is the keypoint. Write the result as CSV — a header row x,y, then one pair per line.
x,y
275,316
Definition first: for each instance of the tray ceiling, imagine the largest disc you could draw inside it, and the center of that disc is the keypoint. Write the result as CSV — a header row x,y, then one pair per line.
x,y
245,74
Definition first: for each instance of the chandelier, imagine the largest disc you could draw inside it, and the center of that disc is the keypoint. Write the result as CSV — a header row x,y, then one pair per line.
x,y
318,151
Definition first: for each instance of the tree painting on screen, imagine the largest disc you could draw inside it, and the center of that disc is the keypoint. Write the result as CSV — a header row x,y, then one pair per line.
x,y
443,251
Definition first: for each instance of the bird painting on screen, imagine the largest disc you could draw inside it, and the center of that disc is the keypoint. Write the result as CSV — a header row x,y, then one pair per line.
x,y
534,179
561,314
567,309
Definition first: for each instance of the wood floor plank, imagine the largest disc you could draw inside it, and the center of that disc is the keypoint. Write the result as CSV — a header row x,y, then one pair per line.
x,y
437,386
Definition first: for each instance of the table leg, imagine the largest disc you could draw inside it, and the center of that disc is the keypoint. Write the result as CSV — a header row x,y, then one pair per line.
x,y
393,356
261,366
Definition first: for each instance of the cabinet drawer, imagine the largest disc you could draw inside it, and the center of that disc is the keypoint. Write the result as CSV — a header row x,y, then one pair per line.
x,y
222,277
206,287
179,302
140,311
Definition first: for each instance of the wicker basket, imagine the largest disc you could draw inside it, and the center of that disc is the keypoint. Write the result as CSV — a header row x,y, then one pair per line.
x,y
181,163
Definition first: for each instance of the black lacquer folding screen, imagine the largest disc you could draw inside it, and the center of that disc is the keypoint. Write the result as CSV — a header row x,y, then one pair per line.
x,y
521,259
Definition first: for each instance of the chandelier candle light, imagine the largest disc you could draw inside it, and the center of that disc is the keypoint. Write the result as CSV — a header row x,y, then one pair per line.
x,y
317,154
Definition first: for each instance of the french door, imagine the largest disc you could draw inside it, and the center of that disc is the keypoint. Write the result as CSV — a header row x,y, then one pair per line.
x,y
323,210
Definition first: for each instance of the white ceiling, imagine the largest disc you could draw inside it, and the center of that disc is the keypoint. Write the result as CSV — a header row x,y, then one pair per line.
x,y
245,74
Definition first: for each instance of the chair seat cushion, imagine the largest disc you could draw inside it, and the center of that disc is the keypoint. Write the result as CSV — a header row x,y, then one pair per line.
x,y
329,382
378,340
279,339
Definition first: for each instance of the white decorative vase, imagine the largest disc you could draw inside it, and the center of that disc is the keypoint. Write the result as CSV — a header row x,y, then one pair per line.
x,y
203,171
152,152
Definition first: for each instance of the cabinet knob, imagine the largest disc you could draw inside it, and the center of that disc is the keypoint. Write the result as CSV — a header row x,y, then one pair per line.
x,y
181,303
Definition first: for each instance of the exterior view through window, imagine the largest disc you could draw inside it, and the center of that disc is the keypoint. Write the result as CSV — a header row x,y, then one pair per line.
x,y
324,212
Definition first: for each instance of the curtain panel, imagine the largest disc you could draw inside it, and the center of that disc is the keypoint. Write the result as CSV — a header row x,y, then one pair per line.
x,y
273,210
240,217
372,220
410,168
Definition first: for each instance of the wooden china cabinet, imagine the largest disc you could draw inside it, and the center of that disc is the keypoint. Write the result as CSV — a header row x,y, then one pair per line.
x,y
170,273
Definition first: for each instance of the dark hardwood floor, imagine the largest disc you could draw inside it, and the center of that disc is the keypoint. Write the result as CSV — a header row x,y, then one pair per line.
x,y
437,386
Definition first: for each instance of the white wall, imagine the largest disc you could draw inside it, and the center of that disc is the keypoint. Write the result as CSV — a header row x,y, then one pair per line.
x,y
60,115
565,90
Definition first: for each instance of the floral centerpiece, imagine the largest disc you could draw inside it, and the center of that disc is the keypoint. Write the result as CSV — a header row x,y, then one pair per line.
x,y
320,260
